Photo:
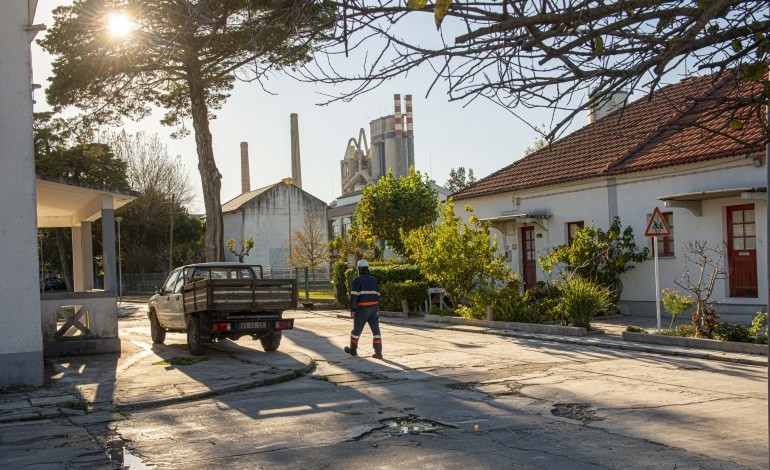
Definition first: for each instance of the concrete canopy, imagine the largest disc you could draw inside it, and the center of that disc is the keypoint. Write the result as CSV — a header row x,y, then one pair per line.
x,y
62,202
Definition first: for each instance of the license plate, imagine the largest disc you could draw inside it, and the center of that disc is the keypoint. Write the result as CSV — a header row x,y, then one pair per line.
x,y
252,325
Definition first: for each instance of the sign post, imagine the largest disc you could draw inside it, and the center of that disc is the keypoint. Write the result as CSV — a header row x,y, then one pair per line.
x,y
655,227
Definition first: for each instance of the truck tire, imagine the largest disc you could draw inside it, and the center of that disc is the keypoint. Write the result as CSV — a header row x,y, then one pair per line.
x,y
157,332
197,348
271,341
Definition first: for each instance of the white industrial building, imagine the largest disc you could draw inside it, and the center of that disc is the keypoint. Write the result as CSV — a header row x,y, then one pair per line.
x,y
654,153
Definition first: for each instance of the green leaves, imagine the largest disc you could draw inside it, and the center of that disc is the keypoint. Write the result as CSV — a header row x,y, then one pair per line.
x,y
394,205
598,45
442,8
737,45
457,255
735,124
416,4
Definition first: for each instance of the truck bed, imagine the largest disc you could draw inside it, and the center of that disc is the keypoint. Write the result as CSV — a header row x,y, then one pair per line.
x,y
240,295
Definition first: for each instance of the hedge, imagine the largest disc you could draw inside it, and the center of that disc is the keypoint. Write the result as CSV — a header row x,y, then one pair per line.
x,y
392,293
393,274
341,291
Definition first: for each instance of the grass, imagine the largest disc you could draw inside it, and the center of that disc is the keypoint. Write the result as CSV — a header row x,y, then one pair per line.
x,y
78,404
317,295
180,361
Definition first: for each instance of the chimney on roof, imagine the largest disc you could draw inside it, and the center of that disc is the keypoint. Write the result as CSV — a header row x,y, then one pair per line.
x,y
245,180
296,168
604,105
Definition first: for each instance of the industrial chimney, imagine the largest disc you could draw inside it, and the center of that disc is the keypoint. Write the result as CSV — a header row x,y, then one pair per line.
x,y
245,179
296,168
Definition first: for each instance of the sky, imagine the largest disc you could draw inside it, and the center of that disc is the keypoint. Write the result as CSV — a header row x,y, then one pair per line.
x,y
480,135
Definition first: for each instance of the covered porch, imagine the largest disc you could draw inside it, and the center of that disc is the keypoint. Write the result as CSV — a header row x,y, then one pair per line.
x,y
85,320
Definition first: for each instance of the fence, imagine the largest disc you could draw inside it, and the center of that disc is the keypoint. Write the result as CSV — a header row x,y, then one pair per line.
x,y
317,280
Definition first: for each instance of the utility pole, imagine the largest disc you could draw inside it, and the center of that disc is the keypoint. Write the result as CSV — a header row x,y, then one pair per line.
x,y
171,237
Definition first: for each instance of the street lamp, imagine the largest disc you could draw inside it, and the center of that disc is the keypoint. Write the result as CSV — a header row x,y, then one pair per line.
x,y
120,264
288,182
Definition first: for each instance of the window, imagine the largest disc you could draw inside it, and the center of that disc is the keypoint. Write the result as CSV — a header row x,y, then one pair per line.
x,y
665,244
572,231
345,228
335,230
168,288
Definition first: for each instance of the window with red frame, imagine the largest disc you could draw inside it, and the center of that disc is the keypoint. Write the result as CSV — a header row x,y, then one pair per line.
x,y
665,244
572,231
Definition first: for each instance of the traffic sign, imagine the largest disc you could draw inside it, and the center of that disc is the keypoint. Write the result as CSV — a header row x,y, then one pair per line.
x,y
657,226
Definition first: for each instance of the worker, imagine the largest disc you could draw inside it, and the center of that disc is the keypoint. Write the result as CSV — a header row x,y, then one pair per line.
x,y
364,305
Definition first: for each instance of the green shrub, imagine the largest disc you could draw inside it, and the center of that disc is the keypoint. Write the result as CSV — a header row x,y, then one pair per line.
x,y
685,331
436,310
676,304
733,332
341,292
758,328
466,311
636,329
388,273
392,293
581,300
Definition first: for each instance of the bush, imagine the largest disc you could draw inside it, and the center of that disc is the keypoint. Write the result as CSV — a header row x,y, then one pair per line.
x,y
388,273
685,331
758,328
733,332
581,300
676,304
636,329
341,291
392,293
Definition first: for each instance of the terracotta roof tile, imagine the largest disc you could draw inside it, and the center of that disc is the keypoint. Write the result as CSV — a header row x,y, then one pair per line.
x,y
649,133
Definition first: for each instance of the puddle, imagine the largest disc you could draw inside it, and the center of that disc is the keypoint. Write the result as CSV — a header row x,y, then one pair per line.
x,y
576,411
119,454
407,425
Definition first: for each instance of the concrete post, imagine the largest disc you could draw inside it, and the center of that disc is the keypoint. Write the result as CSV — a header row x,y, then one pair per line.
x,y
109,254
77,260
87,248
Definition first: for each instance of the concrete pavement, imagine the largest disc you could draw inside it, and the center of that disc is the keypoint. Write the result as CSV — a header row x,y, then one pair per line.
x,y
89,390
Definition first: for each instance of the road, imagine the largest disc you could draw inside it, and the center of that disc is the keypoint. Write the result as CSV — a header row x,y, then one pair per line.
x,y
476,401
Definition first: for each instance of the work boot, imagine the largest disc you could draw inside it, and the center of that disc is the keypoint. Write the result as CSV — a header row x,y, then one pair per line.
x,y
351,351
377,355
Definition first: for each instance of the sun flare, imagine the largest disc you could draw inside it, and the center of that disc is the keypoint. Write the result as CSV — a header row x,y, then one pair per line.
x,y
119,24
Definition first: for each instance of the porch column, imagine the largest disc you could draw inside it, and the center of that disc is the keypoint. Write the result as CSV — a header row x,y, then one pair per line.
x,y
82,257
108,247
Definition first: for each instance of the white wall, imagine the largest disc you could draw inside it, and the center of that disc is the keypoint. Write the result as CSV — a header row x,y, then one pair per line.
x,y
265,219
632,197
21,346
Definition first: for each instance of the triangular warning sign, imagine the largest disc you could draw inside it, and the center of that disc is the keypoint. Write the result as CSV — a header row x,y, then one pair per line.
x,y
657,226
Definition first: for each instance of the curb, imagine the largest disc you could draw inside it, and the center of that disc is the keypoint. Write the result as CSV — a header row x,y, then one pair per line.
x,y
611,344
285,377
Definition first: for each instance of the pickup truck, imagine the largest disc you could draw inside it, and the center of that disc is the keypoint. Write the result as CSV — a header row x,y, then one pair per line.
x,y
212,301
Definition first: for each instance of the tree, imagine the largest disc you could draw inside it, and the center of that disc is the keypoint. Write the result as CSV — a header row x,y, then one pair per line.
x,y
245,247
397,205
309,247
567,56
708,261
457,255
165,189
58,154
597,256
179,55
457,179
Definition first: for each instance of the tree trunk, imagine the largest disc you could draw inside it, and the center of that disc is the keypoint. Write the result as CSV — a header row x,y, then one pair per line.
x,y
211,179
66,265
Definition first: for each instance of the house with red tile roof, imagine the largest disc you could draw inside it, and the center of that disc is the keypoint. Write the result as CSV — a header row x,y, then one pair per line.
x,y
701,162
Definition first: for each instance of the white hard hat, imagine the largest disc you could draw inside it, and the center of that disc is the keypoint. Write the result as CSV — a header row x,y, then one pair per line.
x,y
363,264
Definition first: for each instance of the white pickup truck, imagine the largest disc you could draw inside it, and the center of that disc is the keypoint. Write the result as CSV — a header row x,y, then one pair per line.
x,y
211,301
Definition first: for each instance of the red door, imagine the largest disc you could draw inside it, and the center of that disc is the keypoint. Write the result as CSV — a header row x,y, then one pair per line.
x,y
742,250
528,256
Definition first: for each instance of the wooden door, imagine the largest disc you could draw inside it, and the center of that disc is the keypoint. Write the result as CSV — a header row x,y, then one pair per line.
x,y
742,250
529,268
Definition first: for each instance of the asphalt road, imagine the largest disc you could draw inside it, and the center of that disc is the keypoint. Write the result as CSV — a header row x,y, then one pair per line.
x,y
468,401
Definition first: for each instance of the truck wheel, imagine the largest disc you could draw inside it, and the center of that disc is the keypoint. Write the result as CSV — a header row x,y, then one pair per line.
x,y
157,332
197,348
271,341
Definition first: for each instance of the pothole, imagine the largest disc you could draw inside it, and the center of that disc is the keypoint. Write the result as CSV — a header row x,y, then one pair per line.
x,y
120,455
410,425
577,411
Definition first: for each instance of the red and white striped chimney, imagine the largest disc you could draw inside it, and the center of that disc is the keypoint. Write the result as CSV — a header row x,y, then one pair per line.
x,y
398,120
245,178
409,124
